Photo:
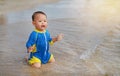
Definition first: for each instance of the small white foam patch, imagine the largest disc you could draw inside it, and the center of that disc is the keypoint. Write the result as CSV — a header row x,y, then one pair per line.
x,y
88,53
100,68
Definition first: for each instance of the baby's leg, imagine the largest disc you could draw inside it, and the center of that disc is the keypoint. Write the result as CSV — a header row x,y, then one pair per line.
x,y
35,62
52,59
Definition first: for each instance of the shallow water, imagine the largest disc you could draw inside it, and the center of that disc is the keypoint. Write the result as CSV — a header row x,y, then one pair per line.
x,y
91,44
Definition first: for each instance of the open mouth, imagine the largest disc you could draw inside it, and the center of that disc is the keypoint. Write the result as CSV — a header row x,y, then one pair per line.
x,y
43,26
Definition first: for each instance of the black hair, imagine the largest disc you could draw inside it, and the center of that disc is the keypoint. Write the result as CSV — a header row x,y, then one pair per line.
x,y
37,12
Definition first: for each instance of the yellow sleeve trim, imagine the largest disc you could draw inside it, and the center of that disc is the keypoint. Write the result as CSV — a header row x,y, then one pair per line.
x,y
34,50
51,43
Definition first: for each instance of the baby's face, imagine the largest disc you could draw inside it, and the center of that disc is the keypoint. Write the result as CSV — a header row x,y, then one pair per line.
x,y
40,22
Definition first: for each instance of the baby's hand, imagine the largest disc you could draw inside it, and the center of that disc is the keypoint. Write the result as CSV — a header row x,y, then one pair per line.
x,y
59,37
30,49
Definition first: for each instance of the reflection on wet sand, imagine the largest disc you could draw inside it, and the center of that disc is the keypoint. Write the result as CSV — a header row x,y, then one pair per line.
x,y
90,46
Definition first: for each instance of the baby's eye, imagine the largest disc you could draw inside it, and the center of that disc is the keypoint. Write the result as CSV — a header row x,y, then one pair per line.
x,y
45,21
40,21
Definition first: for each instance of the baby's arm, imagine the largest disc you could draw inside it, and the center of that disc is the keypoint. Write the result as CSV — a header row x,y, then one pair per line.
x,y
58,38
31,41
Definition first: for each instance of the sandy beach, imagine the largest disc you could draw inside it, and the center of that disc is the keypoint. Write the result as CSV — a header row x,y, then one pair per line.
x,y
91,44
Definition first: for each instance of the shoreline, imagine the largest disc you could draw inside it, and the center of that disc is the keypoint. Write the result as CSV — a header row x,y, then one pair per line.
x,y
7,6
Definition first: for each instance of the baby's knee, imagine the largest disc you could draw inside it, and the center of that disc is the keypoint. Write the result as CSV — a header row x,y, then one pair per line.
x,y
36,65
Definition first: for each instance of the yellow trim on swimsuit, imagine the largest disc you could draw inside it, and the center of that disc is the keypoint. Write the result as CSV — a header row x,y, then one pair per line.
x,y
37,60
40,31
51,42
51,57
34,50
34,60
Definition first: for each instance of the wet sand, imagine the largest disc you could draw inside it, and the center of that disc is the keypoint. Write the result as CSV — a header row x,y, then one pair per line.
x,y
90,46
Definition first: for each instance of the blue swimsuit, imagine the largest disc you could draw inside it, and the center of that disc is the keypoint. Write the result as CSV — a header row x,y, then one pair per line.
x,y
41,41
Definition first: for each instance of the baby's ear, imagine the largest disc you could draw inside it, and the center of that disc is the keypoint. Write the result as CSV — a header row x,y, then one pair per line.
x,y
33,22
